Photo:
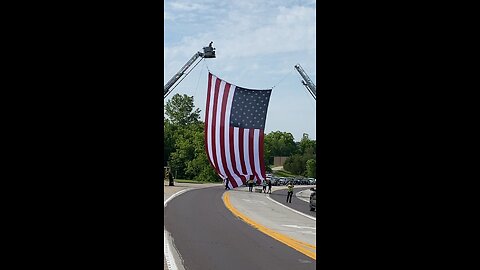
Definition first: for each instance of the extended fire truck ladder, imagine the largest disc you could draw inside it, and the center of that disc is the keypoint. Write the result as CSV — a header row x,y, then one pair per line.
x,y
311,88
208,52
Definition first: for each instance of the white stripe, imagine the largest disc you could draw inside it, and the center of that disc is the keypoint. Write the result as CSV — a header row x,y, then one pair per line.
x,y
236,149
227,136
298,212
210,116
256,152
167,250
171,265
246,132
175,195
218,126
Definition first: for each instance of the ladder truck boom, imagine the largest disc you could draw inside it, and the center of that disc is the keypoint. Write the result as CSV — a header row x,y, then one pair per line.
x,y
208,52
311,88
180,73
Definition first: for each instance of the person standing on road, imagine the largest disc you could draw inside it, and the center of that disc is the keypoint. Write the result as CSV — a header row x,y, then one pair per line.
x,y
226,183
170,180
290,192
264,186
269,186
250,183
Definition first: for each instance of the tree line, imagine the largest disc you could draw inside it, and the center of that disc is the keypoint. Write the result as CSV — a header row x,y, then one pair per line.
x,y
184,145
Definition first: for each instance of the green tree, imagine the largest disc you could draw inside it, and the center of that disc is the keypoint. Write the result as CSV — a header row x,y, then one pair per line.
x,y
295,164
180,110
180,124
305,151
199,168
307,145
311,168
278,143
168,139
185,150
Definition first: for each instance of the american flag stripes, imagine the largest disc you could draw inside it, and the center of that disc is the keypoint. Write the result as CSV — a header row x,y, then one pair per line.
x,y
234,125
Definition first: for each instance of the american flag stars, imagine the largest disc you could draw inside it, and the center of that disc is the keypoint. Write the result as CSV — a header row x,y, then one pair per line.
x,y
251,105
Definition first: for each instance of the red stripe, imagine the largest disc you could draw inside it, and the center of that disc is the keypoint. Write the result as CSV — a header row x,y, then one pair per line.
x,y
232,156
206,119
222,134
251,136
262,157
242,152
210,129
213,125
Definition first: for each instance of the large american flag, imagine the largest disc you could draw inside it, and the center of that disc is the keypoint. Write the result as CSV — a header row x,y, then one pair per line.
x,y
234,124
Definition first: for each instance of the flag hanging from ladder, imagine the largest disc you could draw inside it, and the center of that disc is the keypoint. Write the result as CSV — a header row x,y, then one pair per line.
x,y
234,125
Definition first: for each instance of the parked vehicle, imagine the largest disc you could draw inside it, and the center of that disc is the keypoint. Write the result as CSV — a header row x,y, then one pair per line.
x,y
275,181
281,181
313,199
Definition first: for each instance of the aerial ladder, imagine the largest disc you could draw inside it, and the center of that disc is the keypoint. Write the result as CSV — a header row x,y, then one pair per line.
x,y
311,88
208,52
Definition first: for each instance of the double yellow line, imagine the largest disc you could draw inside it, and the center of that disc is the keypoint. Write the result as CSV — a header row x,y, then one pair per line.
x,y
305,248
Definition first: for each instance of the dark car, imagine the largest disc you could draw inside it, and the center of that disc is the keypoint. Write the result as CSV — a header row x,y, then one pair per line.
x,y
313,199
275,181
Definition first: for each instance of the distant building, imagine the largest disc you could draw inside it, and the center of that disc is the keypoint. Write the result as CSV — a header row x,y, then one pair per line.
x,y
279,161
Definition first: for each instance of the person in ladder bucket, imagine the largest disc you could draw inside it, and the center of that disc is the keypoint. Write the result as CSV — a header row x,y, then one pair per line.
x,y
290,192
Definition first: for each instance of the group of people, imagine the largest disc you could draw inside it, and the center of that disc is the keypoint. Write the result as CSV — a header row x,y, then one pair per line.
x,y
250,183
265,183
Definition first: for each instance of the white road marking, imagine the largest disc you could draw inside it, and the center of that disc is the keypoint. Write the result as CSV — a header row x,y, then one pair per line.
x,y
175,195
300,195
171,265
254,201
167,248
303,227
300,227
298,212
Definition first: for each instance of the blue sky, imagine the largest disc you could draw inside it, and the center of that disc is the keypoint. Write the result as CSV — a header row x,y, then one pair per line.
x,y
257,43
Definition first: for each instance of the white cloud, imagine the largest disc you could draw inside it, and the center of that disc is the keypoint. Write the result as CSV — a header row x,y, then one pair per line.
x,y
168,16
293,29
258,42
186,6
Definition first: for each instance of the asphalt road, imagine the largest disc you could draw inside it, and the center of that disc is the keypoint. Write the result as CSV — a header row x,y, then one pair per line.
x,y
297,204
208,236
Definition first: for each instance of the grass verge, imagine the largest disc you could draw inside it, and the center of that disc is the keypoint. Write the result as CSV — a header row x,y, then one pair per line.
x,y
190,181
282,173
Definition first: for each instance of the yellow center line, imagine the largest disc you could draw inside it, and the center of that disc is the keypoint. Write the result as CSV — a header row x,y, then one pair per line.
x,y
300,246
